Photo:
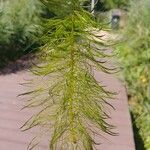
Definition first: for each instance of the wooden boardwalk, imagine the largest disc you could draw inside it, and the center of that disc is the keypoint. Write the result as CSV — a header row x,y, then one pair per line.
x,y
11,118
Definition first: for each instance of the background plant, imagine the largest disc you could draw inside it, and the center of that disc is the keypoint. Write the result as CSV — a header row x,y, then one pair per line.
x,y
19,22
106,5
72,103
135,56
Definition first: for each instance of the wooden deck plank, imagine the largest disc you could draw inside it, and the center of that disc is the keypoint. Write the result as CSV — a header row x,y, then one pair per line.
x,y
11,118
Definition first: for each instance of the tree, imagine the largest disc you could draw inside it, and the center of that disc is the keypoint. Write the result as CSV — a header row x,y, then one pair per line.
x,y
71,102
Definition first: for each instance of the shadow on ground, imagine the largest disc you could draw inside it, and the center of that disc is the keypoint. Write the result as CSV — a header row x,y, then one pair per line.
x,y
20,64
139,144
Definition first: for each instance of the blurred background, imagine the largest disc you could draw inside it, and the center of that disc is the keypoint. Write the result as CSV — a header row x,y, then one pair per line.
x,y
22,24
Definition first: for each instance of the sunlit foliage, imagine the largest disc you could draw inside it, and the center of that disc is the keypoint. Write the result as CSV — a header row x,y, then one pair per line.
x,y
72,103
135,56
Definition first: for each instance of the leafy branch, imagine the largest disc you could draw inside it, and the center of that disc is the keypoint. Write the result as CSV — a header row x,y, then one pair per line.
x,y
72,102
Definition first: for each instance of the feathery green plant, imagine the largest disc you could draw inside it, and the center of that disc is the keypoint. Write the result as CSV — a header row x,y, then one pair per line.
x,y
71,102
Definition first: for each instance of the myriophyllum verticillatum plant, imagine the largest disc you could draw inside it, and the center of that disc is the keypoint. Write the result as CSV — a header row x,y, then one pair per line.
x,y
70,101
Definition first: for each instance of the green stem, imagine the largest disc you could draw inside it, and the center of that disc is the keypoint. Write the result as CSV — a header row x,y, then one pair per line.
x,y
72,87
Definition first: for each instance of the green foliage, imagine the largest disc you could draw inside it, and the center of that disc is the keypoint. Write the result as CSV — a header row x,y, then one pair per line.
x,y
72,103
115,3
19,22
105,5
59,8
135,56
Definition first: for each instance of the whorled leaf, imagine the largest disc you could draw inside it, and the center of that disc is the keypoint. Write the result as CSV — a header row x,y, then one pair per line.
x,y
71,100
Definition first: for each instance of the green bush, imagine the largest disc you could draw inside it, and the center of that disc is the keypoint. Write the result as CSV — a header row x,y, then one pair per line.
x,y
105,5
19,22
109,4
135,56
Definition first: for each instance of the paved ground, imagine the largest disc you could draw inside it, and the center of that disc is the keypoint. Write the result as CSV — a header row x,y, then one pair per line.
x,y
11,118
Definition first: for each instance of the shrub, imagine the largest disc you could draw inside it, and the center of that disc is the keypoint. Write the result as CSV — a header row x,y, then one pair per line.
x,y
105,5
135,56
19,22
